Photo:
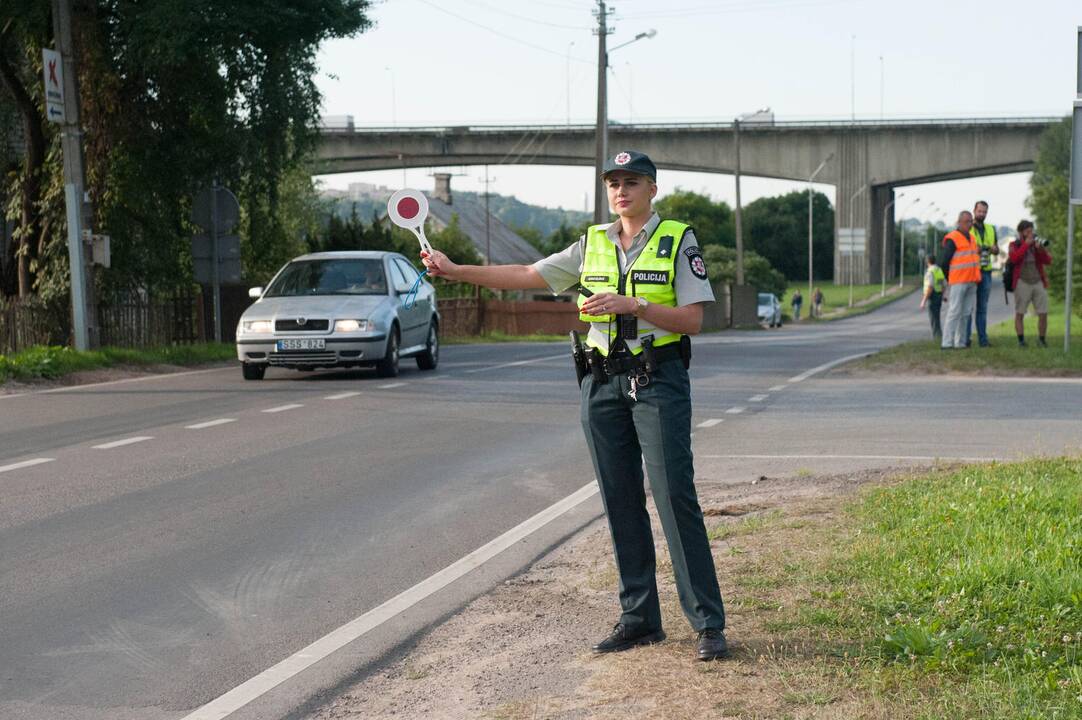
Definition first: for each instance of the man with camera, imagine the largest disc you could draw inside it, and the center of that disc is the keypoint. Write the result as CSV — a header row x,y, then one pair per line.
x,y
985,237
1028,257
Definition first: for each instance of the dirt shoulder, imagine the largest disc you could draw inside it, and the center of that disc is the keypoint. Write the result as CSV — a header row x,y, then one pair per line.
x,y
522,651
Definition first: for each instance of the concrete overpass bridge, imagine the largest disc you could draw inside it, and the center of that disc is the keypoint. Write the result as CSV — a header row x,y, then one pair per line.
x,y
883,155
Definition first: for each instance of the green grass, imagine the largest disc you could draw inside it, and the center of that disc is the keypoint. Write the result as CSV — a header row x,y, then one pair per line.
x,y
1003,357
52,362
836,298
496,336
968,585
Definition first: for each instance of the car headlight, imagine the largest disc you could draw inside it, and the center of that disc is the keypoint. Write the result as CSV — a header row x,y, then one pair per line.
x,y
257,326
350,325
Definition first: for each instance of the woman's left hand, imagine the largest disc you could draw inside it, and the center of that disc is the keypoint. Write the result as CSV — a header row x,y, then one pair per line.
x,y
606,303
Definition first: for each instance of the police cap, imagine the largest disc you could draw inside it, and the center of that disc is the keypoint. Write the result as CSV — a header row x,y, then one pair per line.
x,y
631,161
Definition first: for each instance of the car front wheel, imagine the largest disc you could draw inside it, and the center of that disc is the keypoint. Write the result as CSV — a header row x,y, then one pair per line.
x,y
430,356
388,366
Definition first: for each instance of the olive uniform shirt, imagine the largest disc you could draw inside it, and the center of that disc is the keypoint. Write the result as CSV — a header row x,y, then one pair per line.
x,y
562,271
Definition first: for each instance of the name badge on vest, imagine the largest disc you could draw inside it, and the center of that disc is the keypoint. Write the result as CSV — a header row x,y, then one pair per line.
x,y
650,277
664,246
596,279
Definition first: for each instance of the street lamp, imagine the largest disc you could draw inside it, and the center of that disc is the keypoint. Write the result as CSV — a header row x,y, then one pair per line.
x,y
883,246
569,46
601,205
901,251
852,238
764,116
810,179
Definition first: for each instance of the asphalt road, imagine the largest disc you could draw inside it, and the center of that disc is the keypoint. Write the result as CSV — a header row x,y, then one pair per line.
x,y
165,539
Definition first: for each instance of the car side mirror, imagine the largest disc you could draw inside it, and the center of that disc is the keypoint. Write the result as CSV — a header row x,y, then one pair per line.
x,y
402,288
255,292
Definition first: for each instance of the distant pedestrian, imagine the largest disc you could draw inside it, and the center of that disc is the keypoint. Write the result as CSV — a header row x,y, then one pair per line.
x,y
796,302
960,257
817,302
985,237
1030,284
934,284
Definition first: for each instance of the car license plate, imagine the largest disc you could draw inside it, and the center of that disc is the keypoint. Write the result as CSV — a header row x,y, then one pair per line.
x,y
302,344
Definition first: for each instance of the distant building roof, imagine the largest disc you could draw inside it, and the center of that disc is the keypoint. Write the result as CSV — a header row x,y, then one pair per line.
x,y
508,247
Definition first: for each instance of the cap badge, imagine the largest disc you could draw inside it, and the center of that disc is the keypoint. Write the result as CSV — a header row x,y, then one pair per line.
x,y
622,159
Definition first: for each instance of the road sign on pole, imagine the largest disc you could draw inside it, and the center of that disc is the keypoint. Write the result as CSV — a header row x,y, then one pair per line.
x,y
52,66
216,255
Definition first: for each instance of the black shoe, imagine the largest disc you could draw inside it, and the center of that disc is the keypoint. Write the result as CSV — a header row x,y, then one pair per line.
x,y
1041,342
986,344
712,645
1022,343
623,638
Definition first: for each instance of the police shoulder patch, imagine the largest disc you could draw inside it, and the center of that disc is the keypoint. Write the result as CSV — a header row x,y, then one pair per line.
x,y
696,262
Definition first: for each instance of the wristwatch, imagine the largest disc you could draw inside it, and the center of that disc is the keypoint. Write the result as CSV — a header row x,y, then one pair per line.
x,y
640,306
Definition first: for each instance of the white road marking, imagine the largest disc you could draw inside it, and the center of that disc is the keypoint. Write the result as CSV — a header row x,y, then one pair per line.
x,y
25,463
209,423
517,363
342,396
710,423
388,386
777,388
283,408
70,388
826,366
121,443
247,691
758,398
735,410
926,458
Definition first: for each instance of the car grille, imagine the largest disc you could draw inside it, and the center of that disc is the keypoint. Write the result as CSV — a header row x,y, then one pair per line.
x,y
291,325
303,357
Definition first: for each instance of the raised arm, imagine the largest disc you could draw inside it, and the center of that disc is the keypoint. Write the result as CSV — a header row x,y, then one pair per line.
x,y
496,277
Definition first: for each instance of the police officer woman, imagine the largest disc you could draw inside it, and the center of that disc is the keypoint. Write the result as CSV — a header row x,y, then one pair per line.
x,y
643,284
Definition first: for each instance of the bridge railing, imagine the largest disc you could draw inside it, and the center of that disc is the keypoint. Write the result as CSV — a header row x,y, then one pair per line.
x,y
332,126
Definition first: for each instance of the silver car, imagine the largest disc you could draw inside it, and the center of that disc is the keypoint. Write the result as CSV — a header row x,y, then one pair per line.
x,y
340,309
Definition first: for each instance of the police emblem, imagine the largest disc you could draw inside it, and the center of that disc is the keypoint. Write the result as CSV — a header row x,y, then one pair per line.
x,y
622,159
695,260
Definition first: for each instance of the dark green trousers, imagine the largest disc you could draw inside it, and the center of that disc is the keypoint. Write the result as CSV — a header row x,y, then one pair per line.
x,y
621,434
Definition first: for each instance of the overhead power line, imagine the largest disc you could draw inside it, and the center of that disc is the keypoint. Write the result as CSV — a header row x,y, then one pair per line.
x,y
546,23
504,35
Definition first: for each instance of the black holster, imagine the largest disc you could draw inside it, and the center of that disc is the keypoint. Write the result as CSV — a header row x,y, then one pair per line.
x,y
578,354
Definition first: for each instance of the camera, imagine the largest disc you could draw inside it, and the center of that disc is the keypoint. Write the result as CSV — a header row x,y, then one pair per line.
x,y
1043,242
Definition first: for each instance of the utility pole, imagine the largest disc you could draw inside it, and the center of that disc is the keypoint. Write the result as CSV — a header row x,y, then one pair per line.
x,y
1075,198
84,307
488,239
736,217
601,201
811,179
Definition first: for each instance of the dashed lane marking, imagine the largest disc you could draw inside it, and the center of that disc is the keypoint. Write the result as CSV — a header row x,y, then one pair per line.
x,y
342,396
777,388
122,443
283,408
735,410
710,423
388,386
209,423
25,463
826,366
265,681
758,398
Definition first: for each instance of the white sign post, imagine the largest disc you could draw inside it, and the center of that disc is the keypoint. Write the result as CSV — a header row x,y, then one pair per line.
x,y
53,70
408,209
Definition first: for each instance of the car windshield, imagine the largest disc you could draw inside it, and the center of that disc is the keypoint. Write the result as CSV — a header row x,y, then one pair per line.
x,y
764,298
330,277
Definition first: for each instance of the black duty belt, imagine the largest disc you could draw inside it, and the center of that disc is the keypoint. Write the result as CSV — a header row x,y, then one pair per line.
x,y
623,364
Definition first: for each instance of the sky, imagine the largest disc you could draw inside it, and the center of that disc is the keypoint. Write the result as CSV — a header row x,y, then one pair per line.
x,y
457,62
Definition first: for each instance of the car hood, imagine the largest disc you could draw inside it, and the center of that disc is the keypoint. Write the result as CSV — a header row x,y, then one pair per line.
x,y
316,306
